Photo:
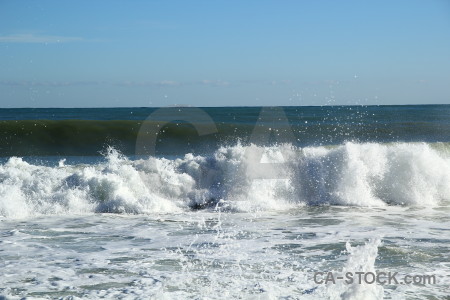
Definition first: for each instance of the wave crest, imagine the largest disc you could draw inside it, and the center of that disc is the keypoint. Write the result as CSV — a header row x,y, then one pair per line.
x,y
351,174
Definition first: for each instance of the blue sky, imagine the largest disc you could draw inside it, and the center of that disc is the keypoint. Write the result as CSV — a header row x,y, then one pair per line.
x,y
221,53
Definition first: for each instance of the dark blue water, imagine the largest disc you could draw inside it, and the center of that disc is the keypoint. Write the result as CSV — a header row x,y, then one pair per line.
x,y
88,131
374,113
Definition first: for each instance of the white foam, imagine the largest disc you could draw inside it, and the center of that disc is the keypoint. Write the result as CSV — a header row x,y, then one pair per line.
x,y
351,175
223,255
360,259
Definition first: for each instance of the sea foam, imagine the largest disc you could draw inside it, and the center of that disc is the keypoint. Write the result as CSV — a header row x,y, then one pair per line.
x,y
351,174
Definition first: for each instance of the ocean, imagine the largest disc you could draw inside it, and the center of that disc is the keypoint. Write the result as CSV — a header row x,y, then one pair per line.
x,y
331,202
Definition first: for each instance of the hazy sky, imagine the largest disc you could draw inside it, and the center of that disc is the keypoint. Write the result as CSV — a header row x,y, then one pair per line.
x,y
221,53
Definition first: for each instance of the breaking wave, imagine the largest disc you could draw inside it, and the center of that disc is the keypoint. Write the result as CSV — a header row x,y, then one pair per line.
x,y
351,174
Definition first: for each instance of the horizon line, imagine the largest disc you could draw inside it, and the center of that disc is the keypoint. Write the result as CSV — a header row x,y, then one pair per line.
x,y
227,106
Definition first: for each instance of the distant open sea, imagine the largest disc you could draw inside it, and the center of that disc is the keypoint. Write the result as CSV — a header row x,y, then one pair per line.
x,y
225,202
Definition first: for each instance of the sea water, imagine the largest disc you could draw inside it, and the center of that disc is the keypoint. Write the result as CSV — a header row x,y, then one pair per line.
x,y
371,196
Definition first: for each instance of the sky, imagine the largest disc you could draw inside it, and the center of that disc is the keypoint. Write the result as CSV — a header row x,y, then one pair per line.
x,y
223,53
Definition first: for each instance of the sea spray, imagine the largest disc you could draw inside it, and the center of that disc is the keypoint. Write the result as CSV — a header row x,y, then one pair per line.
x,y
210,255
360,259
351,174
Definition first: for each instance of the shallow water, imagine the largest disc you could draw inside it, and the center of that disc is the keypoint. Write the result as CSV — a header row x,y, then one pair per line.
x,y
217,255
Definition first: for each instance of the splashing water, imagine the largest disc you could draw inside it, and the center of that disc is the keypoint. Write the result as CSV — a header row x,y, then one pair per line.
x,y
349,175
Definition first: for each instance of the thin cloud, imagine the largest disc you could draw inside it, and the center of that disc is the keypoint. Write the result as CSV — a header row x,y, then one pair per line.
x,y
130,83
149,83
37,39
265,82
172,83
214,82
25,83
